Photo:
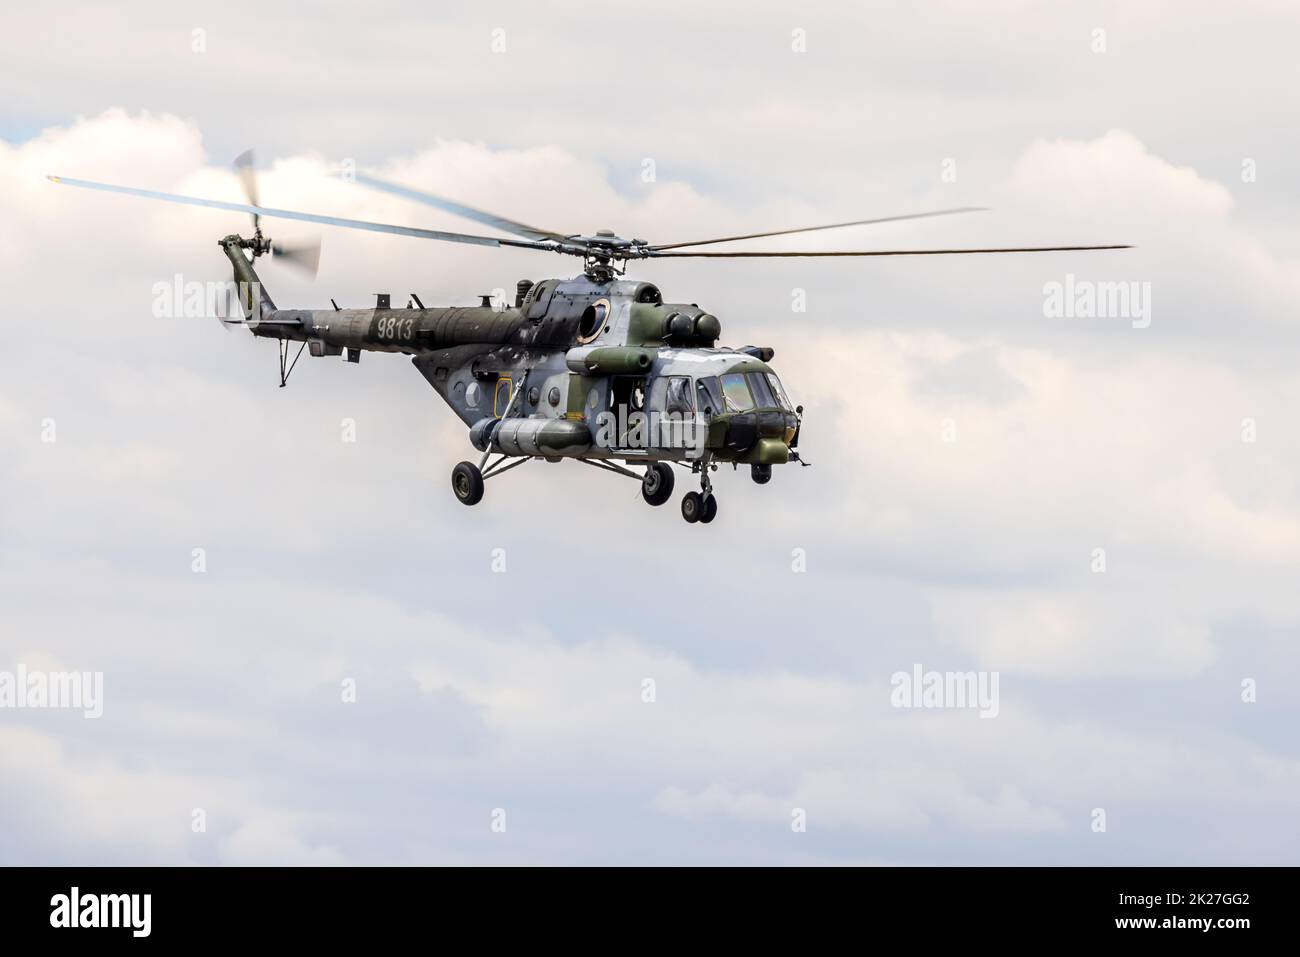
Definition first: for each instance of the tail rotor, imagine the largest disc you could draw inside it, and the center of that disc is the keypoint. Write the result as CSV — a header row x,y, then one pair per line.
x,y
304,255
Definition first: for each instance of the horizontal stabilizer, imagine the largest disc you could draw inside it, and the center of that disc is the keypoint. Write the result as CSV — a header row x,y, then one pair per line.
x,y
294,323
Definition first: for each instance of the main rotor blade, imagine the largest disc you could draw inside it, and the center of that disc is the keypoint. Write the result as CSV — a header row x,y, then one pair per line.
x,y
813,229
885,252
303,217
459,209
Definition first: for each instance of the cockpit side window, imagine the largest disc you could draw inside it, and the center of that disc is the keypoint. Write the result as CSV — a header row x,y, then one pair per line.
x,y
679,397
710,396
736,393
658,387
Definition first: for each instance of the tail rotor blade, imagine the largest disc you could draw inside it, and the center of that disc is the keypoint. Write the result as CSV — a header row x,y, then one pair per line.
x,y
304,256
248,180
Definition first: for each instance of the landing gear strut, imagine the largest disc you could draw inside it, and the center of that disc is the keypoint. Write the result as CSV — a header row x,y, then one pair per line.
x,y
467,478
701,506
286,367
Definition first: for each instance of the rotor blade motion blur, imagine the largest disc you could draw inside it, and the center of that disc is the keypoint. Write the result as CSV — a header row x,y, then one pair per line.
x,y
813,229
884,252
248,180
301,217
600,251
304,256
459,209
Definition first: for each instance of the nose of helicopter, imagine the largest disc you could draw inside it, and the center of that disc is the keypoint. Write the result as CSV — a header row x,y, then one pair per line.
x,y
765,434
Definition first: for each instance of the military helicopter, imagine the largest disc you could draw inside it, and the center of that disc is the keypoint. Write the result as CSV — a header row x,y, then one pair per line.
x,y
598,368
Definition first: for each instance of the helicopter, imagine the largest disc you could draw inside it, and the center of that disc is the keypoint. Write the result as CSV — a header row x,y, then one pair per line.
x,y
598,369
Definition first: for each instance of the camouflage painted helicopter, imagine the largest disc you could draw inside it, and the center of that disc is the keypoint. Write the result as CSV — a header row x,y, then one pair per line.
x,y
598,368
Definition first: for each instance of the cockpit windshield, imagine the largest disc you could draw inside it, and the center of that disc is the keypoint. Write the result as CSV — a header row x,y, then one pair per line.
x,y
763,397
735,392
779,392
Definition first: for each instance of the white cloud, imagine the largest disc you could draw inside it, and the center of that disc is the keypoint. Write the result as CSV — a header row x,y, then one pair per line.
x,y
328,560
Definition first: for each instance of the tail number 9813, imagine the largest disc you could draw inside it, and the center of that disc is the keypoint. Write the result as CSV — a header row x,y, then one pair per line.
x,y
392,327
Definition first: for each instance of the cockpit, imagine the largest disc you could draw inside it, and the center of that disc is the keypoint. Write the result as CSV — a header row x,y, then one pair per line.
x,y
741,392
679,410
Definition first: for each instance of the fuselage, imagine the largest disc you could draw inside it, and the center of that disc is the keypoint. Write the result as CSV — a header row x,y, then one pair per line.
x,y
576,368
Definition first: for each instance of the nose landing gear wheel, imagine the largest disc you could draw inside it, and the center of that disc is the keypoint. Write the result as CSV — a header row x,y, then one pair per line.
x,y
710,511
467,483
657,486
692,507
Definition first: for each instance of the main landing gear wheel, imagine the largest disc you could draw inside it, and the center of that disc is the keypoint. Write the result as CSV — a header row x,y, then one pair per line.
x,y
710,511
467,483
762,474
657,486
692,507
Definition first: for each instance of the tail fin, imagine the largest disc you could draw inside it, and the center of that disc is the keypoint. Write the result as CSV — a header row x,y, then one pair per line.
x,y
254,301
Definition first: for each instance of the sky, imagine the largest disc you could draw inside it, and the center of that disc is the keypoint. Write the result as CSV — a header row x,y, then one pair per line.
x,y
313,654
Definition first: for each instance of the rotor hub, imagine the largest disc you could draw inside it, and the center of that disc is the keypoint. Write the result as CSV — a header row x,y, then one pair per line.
x,y
259,245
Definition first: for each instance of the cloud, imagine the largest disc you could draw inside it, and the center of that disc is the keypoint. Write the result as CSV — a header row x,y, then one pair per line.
x,y
1114,171
328,560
